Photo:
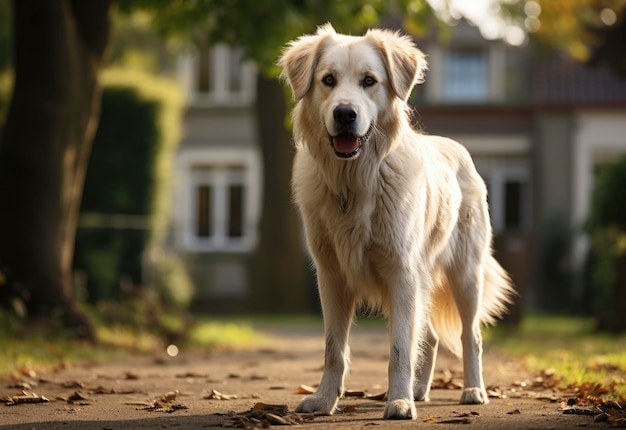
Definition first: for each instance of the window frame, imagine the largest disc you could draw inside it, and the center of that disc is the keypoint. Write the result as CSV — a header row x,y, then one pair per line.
x,y
495,57
497,172
222,61
210,166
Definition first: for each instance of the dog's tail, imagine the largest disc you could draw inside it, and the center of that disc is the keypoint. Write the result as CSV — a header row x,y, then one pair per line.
x,y
498,292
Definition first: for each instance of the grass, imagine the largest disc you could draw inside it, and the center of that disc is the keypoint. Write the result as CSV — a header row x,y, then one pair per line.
x,y
567,345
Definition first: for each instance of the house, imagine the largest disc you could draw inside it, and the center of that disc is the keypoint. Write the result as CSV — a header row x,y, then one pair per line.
x,y
218,190
535,123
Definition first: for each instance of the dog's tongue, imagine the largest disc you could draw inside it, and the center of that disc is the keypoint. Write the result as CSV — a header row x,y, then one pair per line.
x,y
345,143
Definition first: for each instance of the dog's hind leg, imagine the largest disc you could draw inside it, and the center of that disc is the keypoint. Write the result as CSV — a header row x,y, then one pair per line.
x,y
467,288
338,309
424,373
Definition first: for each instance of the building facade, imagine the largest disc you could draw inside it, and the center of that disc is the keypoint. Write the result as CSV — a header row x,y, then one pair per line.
x,y
536,124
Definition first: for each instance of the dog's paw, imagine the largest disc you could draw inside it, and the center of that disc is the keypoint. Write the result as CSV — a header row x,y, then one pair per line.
x,y
474,396
400,409
319,404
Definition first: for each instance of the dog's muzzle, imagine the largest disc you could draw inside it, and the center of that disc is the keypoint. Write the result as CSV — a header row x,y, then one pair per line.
x,y
346,144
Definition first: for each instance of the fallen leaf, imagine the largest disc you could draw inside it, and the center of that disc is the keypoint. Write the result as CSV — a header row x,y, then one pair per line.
x,y
264,415
348,409
27,371
192,375
354,393
216,395
70,409
164,403
514,412
78,398
25,398
380,396
131,375
102,390
455,421
305,389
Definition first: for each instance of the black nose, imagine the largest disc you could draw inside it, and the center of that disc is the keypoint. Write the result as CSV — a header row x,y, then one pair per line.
x,y
344,114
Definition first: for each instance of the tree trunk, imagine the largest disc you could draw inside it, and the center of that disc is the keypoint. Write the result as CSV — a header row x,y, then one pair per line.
x,y
59,46
279,270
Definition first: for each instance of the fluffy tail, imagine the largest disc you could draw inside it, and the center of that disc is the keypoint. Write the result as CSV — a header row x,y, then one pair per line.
x,y
498,292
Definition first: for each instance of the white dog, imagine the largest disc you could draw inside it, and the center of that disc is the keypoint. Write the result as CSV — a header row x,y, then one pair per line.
x,y
394,219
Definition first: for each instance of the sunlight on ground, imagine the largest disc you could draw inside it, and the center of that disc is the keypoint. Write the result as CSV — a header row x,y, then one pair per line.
x,y
567,345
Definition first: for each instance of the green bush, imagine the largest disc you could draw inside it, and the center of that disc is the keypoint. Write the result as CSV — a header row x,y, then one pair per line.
x,y
607,229
125,207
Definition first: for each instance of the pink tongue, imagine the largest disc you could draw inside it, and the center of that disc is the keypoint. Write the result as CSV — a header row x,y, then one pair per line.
x,y
345,143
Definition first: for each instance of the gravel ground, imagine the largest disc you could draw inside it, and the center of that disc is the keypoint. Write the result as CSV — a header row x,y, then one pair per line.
x,y
197,390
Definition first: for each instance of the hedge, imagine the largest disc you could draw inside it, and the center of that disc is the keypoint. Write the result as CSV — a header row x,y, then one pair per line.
x,y
607,228
125,207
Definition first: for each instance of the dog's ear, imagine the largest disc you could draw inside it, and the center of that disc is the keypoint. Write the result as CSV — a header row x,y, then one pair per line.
x,y
300,58
405,63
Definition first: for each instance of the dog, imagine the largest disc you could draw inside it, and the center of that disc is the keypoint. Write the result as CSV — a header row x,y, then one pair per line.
x,y
395,220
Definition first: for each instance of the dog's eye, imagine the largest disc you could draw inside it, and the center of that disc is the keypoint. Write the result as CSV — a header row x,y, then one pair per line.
x,y
329,80
368,81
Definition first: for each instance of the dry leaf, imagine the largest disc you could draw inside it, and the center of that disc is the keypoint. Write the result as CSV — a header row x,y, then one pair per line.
x,y
264,415
305,389
78,398
348,409
380,396
25,398
27,371
102,390
354,393
216,395
131,375
192,375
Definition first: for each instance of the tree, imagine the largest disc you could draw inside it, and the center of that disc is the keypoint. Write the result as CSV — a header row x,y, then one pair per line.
x,y
59,47
591,31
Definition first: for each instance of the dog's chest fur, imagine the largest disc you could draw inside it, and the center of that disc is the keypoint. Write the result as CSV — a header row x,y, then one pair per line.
x,y
353,217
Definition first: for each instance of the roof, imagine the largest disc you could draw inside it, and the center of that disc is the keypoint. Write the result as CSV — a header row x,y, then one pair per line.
x,y
560,80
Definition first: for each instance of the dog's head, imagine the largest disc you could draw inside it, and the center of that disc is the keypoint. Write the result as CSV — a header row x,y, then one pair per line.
x,y
348,86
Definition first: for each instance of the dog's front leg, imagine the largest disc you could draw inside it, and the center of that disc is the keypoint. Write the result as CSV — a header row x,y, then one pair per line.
x,y
338,310
407,323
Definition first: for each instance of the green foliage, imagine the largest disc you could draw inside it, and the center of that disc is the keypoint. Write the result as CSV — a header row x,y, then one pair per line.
x,y
263,27
125,206
137,45
6,85
607,228
5,36
172,282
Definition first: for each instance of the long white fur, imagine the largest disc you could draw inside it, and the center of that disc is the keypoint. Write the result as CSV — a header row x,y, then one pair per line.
x,y
403,227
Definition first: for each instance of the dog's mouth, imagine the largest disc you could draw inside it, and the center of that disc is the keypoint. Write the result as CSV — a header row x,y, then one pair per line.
x,y
347,145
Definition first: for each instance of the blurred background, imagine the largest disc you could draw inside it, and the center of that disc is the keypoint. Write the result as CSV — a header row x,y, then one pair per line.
x,y
145,153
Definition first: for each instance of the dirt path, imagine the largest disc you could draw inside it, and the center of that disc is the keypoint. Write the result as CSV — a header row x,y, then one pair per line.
x,y
121,395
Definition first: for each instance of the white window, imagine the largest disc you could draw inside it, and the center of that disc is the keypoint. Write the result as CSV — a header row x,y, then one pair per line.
x,y
465,76
509,193
218,203
218,76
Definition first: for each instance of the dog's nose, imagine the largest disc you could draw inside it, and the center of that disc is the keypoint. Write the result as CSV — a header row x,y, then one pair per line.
x,y
344,114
